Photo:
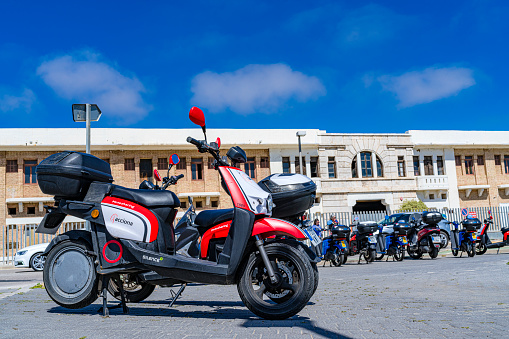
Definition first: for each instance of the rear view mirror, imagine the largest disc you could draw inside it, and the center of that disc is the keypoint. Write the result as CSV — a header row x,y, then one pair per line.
x,y
197,117
218,142
157,175
174,159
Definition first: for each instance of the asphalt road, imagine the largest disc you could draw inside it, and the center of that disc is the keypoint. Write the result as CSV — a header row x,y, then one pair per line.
x,y
446,297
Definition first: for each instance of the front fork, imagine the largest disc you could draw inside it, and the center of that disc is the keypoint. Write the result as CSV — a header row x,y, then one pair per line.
x,y
265,258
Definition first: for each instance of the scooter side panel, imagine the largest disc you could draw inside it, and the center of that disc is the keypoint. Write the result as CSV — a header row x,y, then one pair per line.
x,y
127,220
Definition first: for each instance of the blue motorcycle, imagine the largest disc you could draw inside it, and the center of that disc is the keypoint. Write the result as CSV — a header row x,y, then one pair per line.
x,y
392,240
335,246
464,239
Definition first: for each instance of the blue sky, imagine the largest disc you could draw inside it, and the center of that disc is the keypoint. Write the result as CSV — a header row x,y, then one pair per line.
x,y
342,66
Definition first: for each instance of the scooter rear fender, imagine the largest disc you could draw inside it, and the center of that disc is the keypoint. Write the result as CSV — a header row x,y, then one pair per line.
x,y
71,235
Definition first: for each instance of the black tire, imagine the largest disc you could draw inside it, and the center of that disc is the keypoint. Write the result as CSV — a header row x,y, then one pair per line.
x,y
455,252
434,253
253,273
470,249
70,275
37,261
400,253
337,258
480,249
379,256
135,291
345,258
414,254
444,239
371,255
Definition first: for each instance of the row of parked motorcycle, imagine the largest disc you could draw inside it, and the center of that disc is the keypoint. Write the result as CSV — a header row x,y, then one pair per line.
x,y
374,241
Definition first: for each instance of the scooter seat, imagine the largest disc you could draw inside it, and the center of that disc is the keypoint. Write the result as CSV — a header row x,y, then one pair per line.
x,y
148,198
209,218
504,229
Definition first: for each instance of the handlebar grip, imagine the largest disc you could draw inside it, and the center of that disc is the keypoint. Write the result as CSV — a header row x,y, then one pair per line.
x,y
193,141
180,176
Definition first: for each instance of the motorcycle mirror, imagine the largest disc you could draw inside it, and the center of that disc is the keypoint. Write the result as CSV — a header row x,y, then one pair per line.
x,y
190,199
174,159
197,117
218,142
157,175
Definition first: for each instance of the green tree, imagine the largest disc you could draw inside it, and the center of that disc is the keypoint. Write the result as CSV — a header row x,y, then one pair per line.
x,y
412,205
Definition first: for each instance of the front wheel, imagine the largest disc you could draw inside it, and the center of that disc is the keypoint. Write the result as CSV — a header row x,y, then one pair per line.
x,y
134,291
400,253
434,253
379,256
289,295
69,274
37,261
455,253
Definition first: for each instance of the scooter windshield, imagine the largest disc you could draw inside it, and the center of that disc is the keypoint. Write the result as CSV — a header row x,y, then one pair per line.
x,y
260,202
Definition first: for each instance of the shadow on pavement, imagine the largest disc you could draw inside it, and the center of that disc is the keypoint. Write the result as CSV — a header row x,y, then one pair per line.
x,y
218,310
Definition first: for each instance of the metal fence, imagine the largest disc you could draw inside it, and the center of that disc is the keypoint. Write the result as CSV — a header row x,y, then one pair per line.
x,y
18,236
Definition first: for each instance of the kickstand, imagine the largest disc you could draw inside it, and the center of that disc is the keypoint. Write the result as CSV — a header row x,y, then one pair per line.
x,y
105,309
175,296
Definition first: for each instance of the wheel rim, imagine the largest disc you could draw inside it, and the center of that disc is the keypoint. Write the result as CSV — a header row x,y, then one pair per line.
x,y
444,240
289,281
38,262
71,271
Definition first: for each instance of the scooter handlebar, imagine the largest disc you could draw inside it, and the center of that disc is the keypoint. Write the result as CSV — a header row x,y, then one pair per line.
x,y
193,141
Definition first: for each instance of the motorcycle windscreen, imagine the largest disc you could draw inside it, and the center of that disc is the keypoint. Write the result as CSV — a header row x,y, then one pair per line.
x,y
127,220
256,198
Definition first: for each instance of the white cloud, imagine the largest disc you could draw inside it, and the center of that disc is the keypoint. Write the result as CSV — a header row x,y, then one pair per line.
x,y
420,87
254,88
85,79
11,102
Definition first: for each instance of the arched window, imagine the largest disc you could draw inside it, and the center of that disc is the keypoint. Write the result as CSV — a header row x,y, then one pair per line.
x,y
366,166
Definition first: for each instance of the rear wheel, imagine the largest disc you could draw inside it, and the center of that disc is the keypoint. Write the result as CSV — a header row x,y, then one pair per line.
x,y
70,276
337,258
370,256
289,295
480,249
455,252
434,253
134,291
417,254
470,250
400,253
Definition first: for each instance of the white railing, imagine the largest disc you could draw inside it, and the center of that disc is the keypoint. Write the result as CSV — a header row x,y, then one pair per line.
x,y
430,182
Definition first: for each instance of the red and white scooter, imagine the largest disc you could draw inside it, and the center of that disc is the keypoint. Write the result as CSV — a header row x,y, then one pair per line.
x,y
132,233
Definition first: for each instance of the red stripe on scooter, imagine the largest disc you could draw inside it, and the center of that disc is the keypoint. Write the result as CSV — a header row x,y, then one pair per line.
x,y
154,224
237,196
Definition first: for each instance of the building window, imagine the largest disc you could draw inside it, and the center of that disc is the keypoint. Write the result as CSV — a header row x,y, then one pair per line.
x,y
162,163
469,165
30,210
440,165
30,176
431,197
480,160
129,164
379,167
183,204
366,167
314,167
286,165
182,164
297,165
146,168
12,166
197,170
264,162
417,167
428,165
444,196
12,211
457,160
199,204
331,166
401,167
250,168
354,168
497,160
210,163
506,163
214,203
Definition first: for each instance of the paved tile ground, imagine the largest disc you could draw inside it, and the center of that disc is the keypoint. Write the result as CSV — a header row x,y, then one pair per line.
x,y
446,297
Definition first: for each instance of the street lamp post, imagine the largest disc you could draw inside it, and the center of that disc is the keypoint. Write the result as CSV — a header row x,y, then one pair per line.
x,y
86,113
300,134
